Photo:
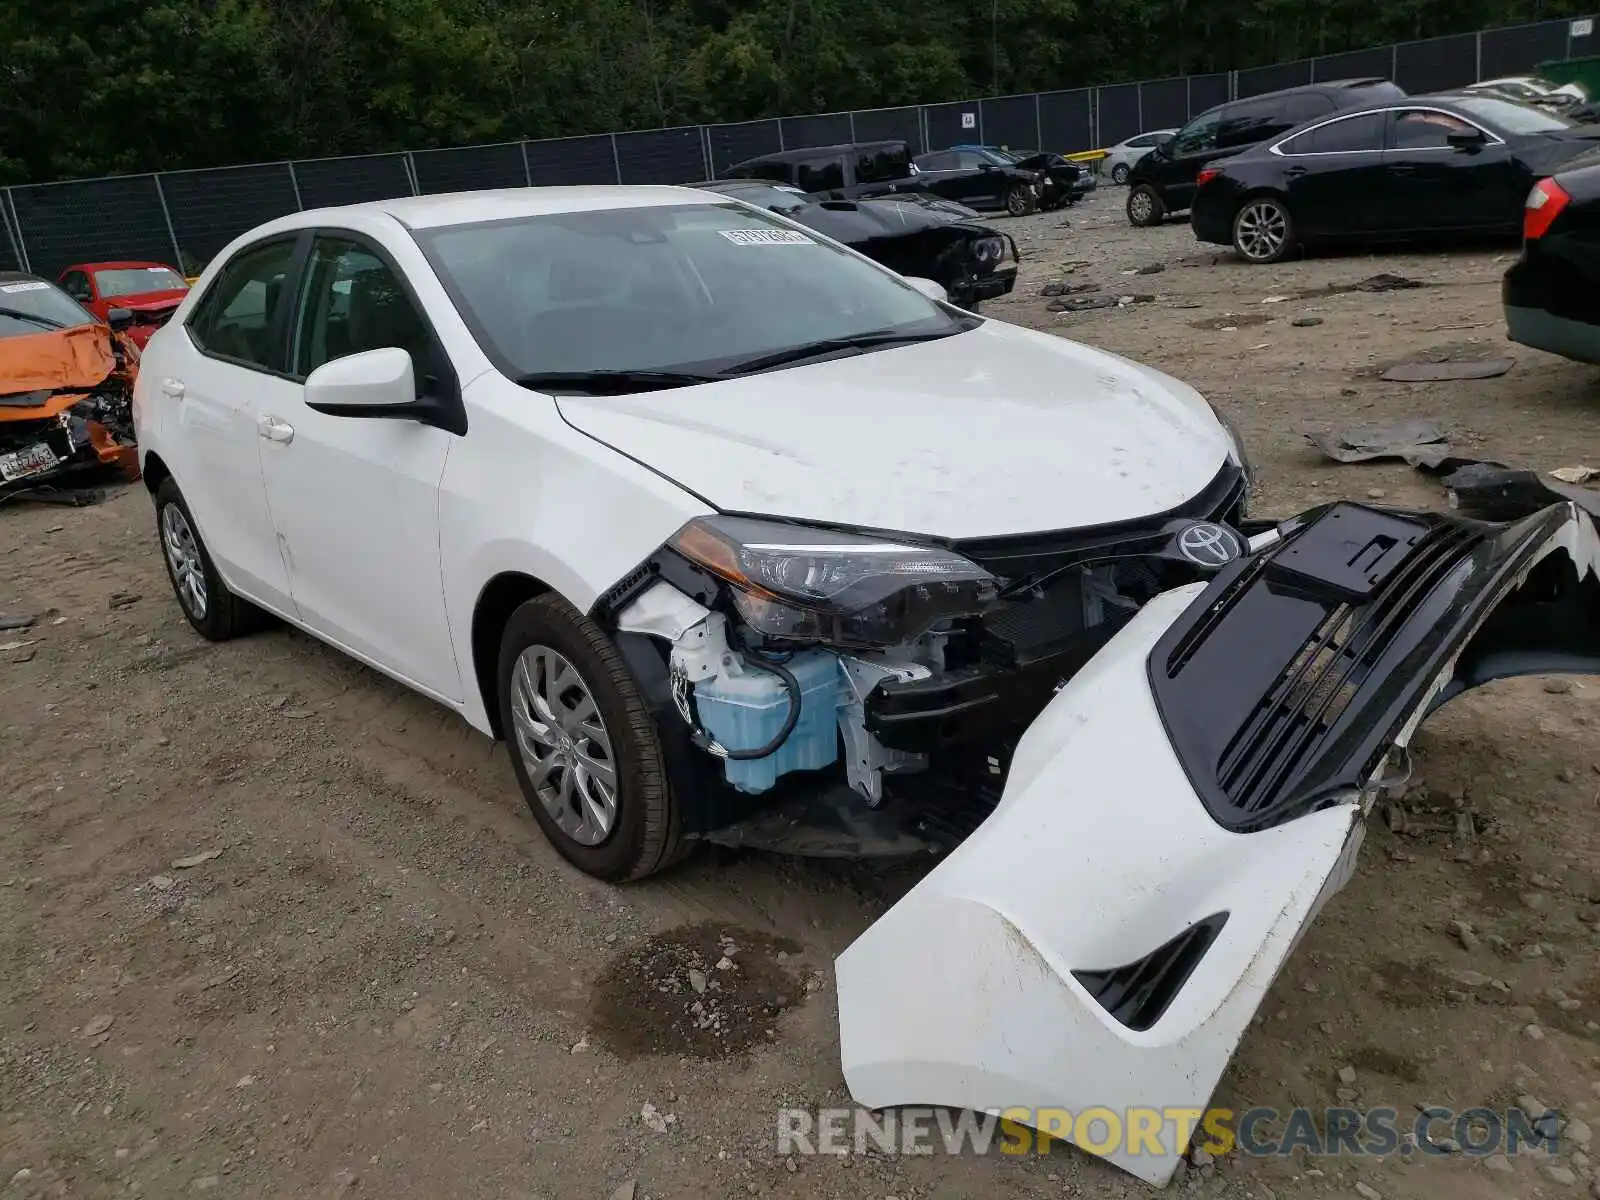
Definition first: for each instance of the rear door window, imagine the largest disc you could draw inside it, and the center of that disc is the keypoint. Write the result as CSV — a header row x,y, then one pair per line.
x,y
822,174
1250,122
1347,135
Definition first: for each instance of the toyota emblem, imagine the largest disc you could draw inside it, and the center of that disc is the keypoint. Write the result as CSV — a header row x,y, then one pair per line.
x,y
1208,545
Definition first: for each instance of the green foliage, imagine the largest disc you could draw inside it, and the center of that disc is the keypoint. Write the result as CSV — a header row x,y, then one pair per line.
x,y
97,86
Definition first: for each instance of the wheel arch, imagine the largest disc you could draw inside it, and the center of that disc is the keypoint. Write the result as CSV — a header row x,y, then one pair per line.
x,y
155,472
498,599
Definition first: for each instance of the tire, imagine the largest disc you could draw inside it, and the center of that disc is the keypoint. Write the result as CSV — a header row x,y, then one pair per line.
x,y
1263,230
554,660
215,612
1019,201
1119,173
1146,207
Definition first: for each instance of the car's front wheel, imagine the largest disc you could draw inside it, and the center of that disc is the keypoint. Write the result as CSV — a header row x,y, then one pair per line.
x,y
214,611
1263,230
1119,173
1019,200
1145,206
584,745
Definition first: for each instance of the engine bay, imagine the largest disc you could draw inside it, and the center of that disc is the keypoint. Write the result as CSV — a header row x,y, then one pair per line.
x,y
888,699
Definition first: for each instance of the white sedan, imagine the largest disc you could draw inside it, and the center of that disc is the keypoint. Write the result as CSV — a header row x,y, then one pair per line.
x,y
1120,158
734,535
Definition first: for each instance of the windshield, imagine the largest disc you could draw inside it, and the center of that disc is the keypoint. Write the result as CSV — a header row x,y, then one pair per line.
x,y
134,281
1508,116
29,306
683,288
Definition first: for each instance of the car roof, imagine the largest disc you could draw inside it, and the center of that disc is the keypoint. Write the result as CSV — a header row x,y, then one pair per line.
x,y
814,151
21,277
119,265
470,208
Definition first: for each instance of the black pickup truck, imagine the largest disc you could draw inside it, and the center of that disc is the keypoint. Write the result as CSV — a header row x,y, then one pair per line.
x,y
861,170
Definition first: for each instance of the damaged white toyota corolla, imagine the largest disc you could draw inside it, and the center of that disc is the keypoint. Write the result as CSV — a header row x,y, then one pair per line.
x,y
736,536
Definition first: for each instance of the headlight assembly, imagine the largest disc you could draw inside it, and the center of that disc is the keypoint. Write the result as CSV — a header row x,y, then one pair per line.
x,y
803,584
987,251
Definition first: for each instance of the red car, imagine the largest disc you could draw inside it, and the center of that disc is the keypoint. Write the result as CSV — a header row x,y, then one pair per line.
x,y
149,290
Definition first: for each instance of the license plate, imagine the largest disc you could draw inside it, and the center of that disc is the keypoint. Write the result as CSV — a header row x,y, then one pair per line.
x,y
31,461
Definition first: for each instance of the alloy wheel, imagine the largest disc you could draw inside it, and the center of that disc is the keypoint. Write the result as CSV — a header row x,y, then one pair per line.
x,y
564,745
183,556
1141,207
1016,202
1119,173
1260,230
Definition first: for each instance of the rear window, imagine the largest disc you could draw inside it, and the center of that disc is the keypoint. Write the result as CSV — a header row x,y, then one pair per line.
x,y
822,174
881,163
134,281
777,172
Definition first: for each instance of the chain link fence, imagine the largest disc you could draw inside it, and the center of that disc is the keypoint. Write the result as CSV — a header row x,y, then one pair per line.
x,y
185,217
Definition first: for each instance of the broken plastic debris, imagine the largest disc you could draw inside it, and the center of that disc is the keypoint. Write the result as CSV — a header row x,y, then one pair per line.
x,y
1575,475
1434,372
1386,282
1420,444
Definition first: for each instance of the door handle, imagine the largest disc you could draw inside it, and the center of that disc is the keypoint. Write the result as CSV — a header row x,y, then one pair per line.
x,y
1401,169
1294,172
275,429
173,388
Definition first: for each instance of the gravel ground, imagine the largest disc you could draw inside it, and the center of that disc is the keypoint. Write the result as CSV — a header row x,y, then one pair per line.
x,y
272,926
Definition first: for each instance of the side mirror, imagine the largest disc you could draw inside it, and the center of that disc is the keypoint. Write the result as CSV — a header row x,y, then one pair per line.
x,y
1470,142
986,166
930,289
383,383
119,318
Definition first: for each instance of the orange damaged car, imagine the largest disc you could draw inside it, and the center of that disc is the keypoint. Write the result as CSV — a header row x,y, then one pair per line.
x,y
66,385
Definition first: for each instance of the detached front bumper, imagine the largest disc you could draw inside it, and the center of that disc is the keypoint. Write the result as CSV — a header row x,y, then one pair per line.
x,y
1181,810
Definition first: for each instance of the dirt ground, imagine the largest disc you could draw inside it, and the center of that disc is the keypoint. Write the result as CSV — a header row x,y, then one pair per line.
x,y
272,926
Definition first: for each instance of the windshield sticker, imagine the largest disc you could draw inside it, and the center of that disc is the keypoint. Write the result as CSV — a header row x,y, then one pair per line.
x,y
766,237
33,286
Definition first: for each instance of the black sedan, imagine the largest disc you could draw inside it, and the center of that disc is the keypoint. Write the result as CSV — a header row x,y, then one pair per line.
x,y
1552,293
980,178
1065,182
907,232
1422,167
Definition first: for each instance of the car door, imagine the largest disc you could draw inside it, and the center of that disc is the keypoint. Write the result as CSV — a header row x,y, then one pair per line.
x,y
356,500
1436,186
215,382
1173,168
1333,176
985,182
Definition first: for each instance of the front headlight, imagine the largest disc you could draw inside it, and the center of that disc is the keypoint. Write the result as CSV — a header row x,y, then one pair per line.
x,y
987,251
815,585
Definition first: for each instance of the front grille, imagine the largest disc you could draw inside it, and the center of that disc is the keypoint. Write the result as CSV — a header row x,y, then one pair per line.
x,y
1034,554
1137,994
1286,730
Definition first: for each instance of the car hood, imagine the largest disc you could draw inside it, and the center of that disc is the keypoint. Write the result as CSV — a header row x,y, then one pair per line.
x,y
77,358
995,431
854,222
